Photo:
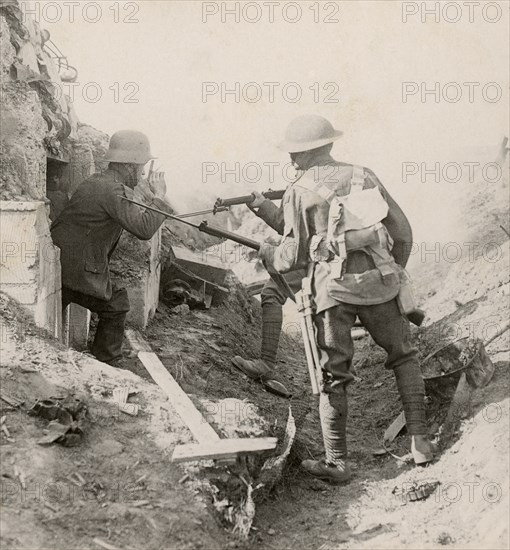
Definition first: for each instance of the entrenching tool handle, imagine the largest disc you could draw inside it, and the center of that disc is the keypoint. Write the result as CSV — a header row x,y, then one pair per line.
x,y
315,351
308,349
307,298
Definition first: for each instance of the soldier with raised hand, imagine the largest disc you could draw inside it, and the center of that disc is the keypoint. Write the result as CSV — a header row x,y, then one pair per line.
x,y
352,238
88,230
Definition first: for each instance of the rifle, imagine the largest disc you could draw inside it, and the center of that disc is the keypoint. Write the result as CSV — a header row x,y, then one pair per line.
x,y
215,231
222,205
226,203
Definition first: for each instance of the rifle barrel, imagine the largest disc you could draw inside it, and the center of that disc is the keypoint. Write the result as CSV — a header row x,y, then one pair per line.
x,y
204,227
203,212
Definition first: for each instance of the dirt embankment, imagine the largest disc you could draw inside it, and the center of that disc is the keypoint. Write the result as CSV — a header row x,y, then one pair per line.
x,y
118,485
132,496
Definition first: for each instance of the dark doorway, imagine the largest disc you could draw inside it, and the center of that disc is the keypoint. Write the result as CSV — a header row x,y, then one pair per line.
x,y
56,187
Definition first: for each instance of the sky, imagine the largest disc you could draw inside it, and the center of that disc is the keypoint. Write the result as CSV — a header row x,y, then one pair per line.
x,y
348,59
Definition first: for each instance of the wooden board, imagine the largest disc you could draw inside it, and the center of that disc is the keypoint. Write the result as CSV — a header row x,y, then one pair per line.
x,y
224,448
395,428
202,264
136,341
183,405
210,446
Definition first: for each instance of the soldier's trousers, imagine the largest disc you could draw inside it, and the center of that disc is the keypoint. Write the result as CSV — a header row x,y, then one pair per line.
x,y
112,313
391,331
272,299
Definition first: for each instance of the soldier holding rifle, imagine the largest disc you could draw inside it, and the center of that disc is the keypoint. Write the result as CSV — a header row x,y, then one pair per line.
x,y
353,240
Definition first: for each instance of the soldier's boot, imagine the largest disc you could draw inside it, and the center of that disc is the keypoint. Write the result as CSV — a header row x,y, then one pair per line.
x,y
422,449
333,415
259,370
107,346
337,473
412,393
263,369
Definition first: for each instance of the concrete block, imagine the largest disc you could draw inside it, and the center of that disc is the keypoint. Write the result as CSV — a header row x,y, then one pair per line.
x,y
29,263
25,294
144,290
79,324
48,313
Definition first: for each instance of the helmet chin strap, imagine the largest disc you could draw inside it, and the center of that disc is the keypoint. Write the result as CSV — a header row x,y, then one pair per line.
x,y
304,159
313,157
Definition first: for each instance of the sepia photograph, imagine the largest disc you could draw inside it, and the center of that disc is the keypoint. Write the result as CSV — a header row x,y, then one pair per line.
x,y
254,275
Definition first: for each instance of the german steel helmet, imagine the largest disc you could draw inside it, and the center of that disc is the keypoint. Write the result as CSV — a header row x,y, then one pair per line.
x,y
129,146
308,132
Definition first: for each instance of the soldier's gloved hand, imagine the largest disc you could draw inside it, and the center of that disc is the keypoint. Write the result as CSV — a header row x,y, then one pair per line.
x,y
158,185
257,201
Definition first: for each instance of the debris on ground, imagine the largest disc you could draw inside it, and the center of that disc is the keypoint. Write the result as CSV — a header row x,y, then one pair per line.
x,y
120,396
419,491
66,416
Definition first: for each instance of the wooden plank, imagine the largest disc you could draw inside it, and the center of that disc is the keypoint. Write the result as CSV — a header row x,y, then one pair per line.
x,y
203,264
395,428
11,399
136,341
183,405
178,271
224,448
203,257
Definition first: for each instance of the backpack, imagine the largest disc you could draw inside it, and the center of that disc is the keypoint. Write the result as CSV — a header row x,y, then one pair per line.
x,y
355,219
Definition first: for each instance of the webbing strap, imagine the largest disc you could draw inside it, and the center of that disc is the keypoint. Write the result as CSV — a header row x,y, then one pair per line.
x,y
325,192
358,179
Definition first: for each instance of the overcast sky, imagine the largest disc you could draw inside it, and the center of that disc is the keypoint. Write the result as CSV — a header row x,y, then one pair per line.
x,y
361,59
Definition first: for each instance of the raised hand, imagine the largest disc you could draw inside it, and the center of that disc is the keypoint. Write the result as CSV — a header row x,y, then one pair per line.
x,y
157,184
